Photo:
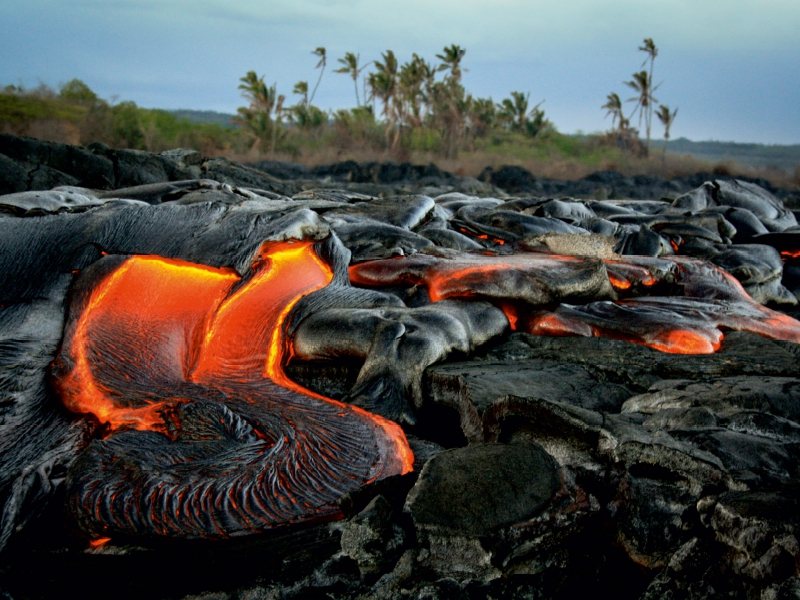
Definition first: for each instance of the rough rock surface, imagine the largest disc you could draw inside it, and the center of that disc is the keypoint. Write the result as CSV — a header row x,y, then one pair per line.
x,y
545,467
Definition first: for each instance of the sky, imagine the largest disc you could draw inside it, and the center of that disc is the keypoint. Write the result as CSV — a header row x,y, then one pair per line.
x,y
732,67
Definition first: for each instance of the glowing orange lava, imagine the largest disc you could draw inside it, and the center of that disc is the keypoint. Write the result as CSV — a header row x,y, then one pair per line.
x,y
99,542
207,322
619,282
177,298
712,300
481,236
622,274
790,254
683,341
556,325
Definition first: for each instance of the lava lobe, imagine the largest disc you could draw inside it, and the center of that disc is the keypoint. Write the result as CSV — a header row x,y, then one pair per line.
x,y
679,304
206,436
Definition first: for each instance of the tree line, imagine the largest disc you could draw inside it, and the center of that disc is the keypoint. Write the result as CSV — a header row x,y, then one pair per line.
x,y
420,103
401,108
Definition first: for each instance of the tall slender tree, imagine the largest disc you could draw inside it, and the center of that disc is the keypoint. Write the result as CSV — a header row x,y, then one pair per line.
x,y
350,62
642,84
646,106
613,106
451,59
323,61
383,85
412,79
515,114
666,117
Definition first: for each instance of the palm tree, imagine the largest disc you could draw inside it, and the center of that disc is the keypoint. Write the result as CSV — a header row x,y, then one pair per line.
x,y
514,112
412,79
350,62
614,107
667,118
323,60
452,60
482,113
650,49
383,85
257,118
301,89
643,85
646,103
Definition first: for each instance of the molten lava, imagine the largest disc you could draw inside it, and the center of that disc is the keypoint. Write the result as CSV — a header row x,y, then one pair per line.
x,y
167,346
522,284
177,300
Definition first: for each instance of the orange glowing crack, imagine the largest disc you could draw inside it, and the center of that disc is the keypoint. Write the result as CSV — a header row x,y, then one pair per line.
x,y
684,341
619,282
99,542
790,254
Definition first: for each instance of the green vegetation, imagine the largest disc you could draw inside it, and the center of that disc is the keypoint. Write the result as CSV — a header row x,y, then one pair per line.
x,y
75,114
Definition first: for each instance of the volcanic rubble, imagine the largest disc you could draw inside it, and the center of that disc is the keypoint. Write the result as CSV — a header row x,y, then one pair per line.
x,y
597,380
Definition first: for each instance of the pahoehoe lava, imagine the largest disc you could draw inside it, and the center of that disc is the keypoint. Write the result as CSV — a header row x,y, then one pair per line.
x,y
193,357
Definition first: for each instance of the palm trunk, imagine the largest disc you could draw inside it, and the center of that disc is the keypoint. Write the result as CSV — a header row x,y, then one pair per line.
x,y
316,86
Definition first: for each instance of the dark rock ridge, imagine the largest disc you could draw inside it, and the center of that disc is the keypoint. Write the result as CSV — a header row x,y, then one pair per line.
x,y
32,165
544,466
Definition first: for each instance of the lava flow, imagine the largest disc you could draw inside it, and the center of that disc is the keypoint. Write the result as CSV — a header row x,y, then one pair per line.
x,y
690,324
166,346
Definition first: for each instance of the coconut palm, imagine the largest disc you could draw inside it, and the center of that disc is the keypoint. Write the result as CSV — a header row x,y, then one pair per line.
x,y
642,84
614,107
412,81
301,89
515,114
350,62
451,59
650,49
667,118
514,111
482,115
264,102
323,60
383,85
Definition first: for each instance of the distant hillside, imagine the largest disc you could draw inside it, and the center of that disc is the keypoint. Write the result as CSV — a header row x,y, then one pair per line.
x,y
204,116
748,155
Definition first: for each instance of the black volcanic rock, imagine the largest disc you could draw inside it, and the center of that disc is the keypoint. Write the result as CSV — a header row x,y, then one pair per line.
x,y
473,387
64,164
512,179
476,490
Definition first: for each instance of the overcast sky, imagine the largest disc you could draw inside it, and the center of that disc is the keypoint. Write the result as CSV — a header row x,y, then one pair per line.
x,y
732,66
